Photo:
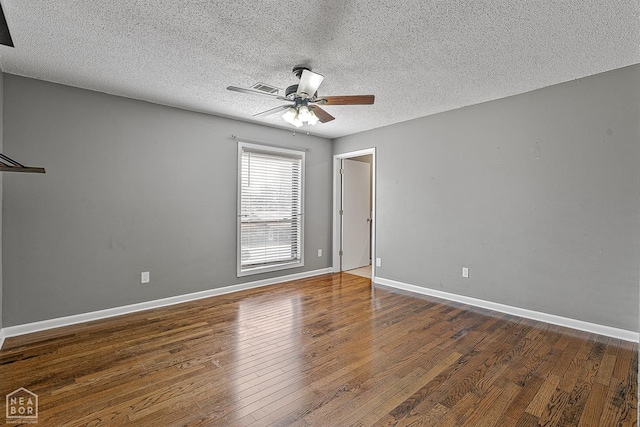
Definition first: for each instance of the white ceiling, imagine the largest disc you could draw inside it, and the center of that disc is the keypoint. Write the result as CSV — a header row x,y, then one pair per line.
x,y
418,57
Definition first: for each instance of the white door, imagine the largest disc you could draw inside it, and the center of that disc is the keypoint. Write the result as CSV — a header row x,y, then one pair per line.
x,y
356,208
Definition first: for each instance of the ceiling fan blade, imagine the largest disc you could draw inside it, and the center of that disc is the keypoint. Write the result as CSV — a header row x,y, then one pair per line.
x,y
309,83
322,115
272,111
254,92
347,100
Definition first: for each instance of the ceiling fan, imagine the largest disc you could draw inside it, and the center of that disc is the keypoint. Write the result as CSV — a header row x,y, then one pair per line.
x,y
303,100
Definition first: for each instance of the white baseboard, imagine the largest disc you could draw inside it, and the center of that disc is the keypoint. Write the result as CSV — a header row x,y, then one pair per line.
x,y
27,328
609,331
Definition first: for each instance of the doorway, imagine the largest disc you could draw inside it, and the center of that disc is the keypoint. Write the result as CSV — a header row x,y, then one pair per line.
x,y
354,212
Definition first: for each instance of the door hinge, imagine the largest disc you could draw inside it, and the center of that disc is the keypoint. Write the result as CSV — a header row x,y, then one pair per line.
x,y
341,212
341,171
340,253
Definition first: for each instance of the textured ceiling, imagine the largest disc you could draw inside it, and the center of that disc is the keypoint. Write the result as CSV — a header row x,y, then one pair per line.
x,y
418,57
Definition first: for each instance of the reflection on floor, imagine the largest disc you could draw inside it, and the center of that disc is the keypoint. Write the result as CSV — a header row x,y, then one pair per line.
x,y
361,271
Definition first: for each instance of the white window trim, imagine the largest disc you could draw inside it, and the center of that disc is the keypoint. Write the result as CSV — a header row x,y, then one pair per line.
x,y
282,266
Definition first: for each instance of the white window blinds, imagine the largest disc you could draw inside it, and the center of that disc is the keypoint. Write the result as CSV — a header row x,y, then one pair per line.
x,y
270,218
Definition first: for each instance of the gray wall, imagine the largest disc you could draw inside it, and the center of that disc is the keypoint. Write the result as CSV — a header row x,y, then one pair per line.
x,y
538,194
130,187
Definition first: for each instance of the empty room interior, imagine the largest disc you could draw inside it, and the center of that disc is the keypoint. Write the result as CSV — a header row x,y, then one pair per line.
x,y
320,213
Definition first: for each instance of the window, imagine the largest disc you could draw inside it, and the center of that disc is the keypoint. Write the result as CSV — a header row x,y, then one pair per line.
x,y
270,208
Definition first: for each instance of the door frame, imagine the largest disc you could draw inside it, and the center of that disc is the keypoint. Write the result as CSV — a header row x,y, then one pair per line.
x,y
337,202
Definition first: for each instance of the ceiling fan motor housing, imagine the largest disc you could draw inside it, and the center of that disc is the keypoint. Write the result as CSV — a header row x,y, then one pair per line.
x,y
298,69
291,93
290,90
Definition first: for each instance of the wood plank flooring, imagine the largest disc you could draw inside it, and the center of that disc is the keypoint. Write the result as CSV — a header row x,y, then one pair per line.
x,y
328,350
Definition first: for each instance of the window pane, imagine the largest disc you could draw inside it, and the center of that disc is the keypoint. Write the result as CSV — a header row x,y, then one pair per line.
x,y
270,208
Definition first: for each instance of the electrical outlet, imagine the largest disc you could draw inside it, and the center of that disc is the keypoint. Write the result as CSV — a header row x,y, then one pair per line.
x,y
319,252
144,277
378,262
465,272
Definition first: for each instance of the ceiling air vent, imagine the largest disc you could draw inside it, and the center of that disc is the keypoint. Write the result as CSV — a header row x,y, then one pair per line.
x,y
263,87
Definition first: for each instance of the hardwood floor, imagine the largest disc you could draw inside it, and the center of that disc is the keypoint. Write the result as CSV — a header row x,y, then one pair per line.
x,y
328,350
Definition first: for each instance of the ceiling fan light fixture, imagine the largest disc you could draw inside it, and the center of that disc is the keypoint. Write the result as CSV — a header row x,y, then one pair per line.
x,y
303,113
298,116
290,116
313,119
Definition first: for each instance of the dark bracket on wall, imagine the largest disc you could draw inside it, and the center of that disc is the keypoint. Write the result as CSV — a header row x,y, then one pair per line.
x,y
5,35
10,165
